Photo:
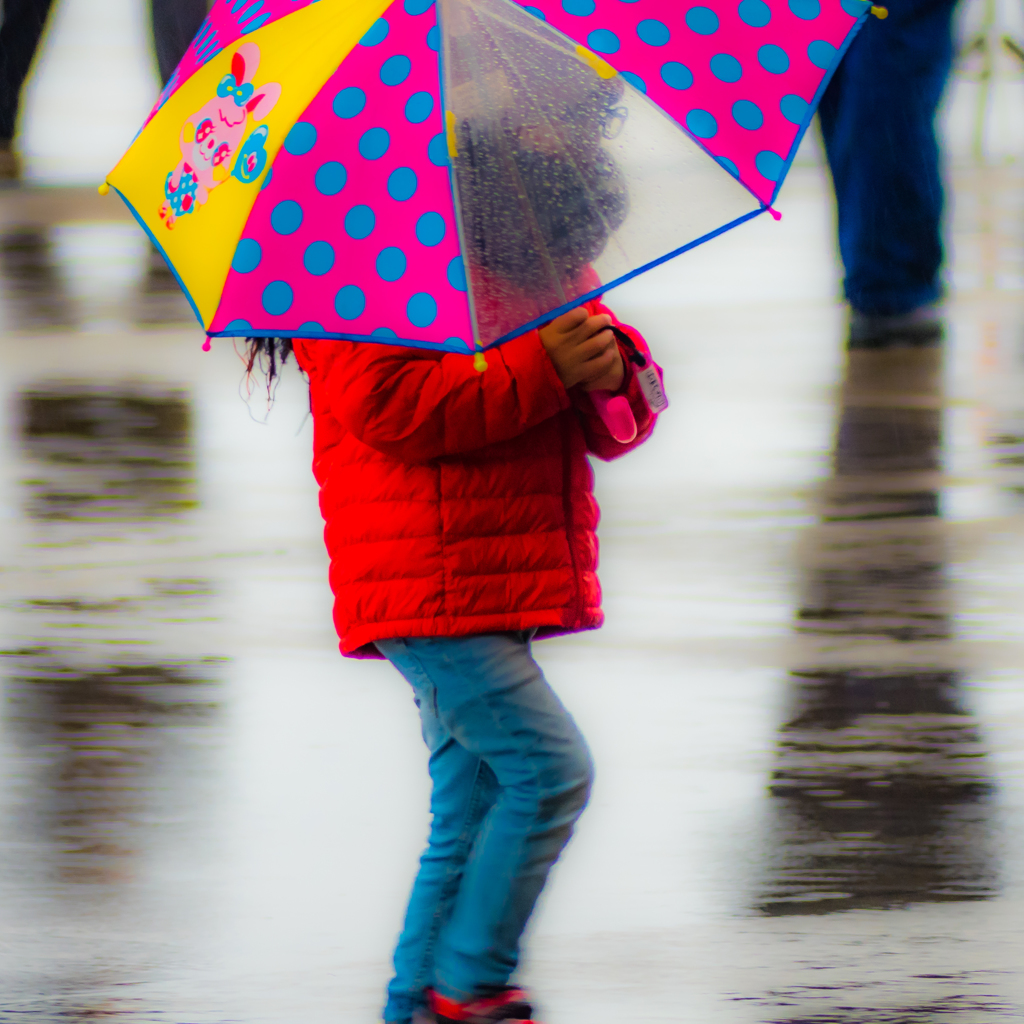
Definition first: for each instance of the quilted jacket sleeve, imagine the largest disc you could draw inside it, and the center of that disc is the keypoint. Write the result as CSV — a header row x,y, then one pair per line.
x,y
599,441
417,406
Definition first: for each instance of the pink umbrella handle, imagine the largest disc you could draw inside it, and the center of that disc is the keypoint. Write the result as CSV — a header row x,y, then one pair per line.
x,y
616,414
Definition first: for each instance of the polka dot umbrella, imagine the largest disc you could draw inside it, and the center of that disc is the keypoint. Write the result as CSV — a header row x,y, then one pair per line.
x,y
451,174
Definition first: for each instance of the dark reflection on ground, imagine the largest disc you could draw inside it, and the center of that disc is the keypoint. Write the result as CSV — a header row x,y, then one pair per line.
x,y
33,291
115,452
97,739
109,733
955,1009
882,793
82,274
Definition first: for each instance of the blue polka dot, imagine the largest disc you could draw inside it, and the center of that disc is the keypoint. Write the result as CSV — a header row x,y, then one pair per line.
x,y
437,150
391,263
634,80
656,33
402,184
434,38
769,164
349,102
359,222
415,7
377,34
676,75
318,258
374,143
313,327
755,13
821,54
701,20
421,310
239,325
418,107
383,332
581,8
726,68
458,341
300,139
702,124
855,8
330,178
602,40
457,274
395,70
536,12
286,217
794,108
747,115
350,302
247,256
806,10
729,166
773,58
277,298
430,229
266,180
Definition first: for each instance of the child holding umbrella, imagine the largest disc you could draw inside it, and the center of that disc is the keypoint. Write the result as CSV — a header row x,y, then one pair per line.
x,y
461,527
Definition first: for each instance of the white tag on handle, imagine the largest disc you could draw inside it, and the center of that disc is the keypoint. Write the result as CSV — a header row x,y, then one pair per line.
x,y
654,393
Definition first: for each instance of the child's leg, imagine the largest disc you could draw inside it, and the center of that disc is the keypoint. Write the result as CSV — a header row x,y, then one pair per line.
x,y
463,791
493,701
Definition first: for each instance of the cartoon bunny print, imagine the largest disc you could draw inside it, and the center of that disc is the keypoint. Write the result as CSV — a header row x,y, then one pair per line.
x,y
213,134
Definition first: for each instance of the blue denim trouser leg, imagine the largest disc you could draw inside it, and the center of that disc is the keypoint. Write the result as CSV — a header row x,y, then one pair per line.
x,y
877,119
511,774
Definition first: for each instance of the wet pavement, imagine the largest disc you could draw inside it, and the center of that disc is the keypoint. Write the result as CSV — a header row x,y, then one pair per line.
x,y
807,705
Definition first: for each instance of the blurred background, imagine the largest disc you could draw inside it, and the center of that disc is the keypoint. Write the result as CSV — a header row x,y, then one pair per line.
x,y
806,706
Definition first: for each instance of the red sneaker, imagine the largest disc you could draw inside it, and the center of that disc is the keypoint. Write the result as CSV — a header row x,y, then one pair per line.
x,y
510,1004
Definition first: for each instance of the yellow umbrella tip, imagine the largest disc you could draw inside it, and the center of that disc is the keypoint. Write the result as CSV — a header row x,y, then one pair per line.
x,y
479,362
103,189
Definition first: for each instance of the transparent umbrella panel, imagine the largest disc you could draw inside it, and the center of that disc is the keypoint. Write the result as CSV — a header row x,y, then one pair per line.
x,y
567,179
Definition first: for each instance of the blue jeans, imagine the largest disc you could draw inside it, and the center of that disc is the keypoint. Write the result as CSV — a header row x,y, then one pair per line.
x,y
877,119
511,774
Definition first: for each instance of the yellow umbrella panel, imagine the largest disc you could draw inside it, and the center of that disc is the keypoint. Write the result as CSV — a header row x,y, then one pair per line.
x,y
193,173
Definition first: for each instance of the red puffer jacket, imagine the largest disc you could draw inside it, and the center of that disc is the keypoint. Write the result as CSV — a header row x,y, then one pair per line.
x,y
457,502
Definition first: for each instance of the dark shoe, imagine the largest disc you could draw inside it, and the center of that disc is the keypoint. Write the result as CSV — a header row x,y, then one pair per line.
x,y
920,328
509,1004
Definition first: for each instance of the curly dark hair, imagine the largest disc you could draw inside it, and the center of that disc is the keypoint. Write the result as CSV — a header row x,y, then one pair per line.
x,y
527,212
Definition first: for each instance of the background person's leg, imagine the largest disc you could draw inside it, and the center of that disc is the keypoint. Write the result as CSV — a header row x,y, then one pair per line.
x,y
23,24
175,24
463,790
877,119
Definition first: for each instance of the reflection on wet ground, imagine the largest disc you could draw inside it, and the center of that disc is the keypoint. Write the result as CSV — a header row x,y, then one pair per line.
x,y
33,291
98,737
107,453
883,795
806,704
91,275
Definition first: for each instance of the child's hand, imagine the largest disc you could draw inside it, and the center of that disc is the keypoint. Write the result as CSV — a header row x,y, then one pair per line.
x,y
583,350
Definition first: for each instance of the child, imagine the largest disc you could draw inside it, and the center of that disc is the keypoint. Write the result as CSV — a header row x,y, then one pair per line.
x,y
460,526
